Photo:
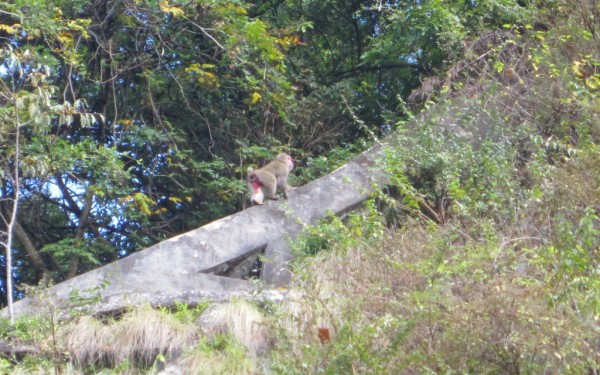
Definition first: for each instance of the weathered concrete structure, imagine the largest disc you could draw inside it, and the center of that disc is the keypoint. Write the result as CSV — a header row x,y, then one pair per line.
x,y
210,261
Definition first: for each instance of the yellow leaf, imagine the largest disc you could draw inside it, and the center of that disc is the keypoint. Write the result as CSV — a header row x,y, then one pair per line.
x,y
10,29
292,40
593,82
138,201
57,13
255,98
125,198
208,79
175,11
241,10
159,211
577,68
126,123
65,37
202,76
193,68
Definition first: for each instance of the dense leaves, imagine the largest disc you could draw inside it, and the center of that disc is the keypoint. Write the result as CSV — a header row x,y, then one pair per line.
x,y
129,114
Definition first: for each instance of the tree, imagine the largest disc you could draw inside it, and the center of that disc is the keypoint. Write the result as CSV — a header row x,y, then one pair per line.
x,y
27,104
145,104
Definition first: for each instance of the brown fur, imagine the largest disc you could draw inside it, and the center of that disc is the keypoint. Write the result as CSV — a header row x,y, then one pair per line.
x,y
264,182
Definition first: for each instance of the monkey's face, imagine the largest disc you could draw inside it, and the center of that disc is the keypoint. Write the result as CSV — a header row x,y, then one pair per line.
x,y
289,162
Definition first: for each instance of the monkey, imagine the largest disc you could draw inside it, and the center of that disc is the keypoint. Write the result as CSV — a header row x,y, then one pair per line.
x,y
270,177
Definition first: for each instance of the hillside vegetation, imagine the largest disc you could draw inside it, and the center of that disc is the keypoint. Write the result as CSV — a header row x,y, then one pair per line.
x,y
481,257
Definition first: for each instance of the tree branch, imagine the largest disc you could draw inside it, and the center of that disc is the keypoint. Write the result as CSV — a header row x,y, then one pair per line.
x,y
83,222
67,194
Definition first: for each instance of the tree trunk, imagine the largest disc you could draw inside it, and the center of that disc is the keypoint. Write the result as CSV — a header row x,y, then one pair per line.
x,y
33,255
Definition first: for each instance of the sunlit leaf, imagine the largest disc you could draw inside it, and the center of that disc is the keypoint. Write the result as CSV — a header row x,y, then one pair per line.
x,y
174,10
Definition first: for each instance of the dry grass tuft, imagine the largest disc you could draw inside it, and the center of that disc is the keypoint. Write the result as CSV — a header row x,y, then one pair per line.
x,y
138,338
240,319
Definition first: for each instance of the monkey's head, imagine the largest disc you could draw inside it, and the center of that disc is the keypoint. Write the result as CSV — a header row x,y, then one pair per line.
x,y
289,162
